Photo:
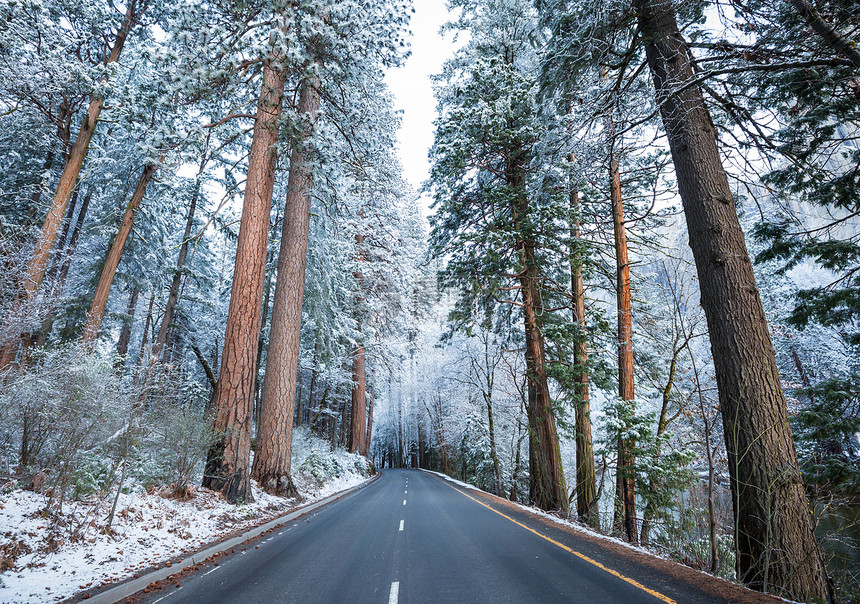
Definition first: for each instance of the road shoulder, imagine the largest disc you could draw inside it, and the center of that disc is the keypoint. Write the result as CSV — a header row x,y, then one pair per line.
x,y
582,539
158,578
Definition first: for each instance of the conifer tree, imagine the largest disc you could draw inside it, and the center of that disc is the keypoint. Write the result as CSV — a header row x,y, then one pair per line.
x,y
338,47
38,263
776,547
487,215
227,462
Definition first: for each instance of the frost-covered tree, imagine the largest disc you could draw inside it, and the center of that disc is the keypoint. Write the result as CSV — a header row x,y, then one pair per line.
x,y
338,50
98,32
762,459
490,219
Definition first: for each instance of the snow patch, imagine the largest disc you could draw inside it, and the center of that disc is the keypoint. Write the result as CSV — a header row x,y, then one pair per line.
x,y
53,557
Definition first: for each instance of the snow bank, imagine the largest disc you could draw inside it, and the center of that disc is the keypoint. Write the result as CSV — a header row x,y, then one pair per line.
x,y
55,557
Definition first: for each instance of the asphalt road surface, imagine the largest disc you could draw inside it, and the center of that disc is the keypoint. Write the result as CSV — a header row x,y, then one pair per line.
x,y
412,536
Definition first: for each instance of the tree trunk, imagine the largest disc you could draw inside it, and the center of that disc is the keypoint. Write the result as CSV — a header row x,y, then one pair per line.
x,y
141,355
38,265
274,442
311,388
175,284
338,422
776,547
497,469
63,243
69,252
586,479
547,486
207,368
261,341
521,436
318,421
626,467
839,44
662,424
24,460
97,308
58,281
125,334
369,424
422,446
358,414
228,460
710,453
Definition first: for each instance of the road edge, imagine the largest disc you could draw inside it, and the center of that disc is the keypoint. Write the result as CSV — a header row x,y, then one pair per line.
x,y
129,588
708,582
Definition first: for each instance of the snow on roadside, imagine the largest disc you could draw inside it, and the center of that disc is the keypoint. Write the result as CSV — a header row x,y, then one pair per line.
x,y
149,529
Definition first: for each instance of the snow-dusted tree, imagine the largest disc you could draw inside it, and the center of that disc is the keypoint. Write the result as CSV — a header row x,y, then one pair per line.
x,y
775,543
113,29
488,216
337,47
227,463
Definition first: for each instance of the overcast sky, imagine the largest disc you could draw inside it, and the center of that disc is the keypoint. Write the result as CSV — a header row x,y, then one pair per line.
x,y
413,90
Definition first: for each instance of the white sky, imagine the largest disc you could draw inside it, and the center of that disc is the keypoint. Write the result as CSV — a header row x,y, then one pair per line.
x,y
413,90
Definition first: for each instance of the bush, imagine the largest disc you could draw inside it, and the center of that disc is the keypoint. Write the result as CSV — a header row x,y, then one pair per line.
x,y
177,434
321,468
69,411
73,417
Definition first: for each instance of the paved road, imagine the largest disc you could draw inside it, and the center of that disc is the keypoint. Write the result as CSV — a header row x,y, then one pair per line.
x,y
413,537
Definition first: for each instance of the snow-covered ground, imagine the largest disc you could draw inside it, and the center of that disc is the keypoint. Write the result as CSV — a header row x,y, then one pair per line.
x,y
149,529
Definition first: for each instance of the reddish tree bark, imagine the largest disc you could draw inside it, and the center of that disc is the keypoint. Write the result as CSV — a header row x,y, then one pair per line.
x,y
38,265
277,405
358,413
233,399
626,462
586,478
60,271
369,423
547,486
97,308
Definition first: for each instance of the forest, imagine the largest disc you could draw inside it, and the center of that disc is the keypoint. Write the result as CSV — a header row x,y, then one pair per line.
x,y
633,300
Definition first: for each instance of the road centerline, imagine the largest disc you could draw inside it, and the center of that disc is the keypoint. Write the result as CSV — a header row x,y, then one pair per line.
x,y
394,593
401,525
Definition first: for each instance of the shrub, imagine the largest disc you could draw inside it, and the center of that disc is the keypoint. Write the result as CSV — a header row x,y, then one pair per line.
x,y
321,468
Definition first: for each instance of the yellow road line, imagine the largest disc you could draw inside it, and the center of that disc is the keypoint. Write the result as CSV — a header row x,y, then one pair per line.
x,y
615,573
